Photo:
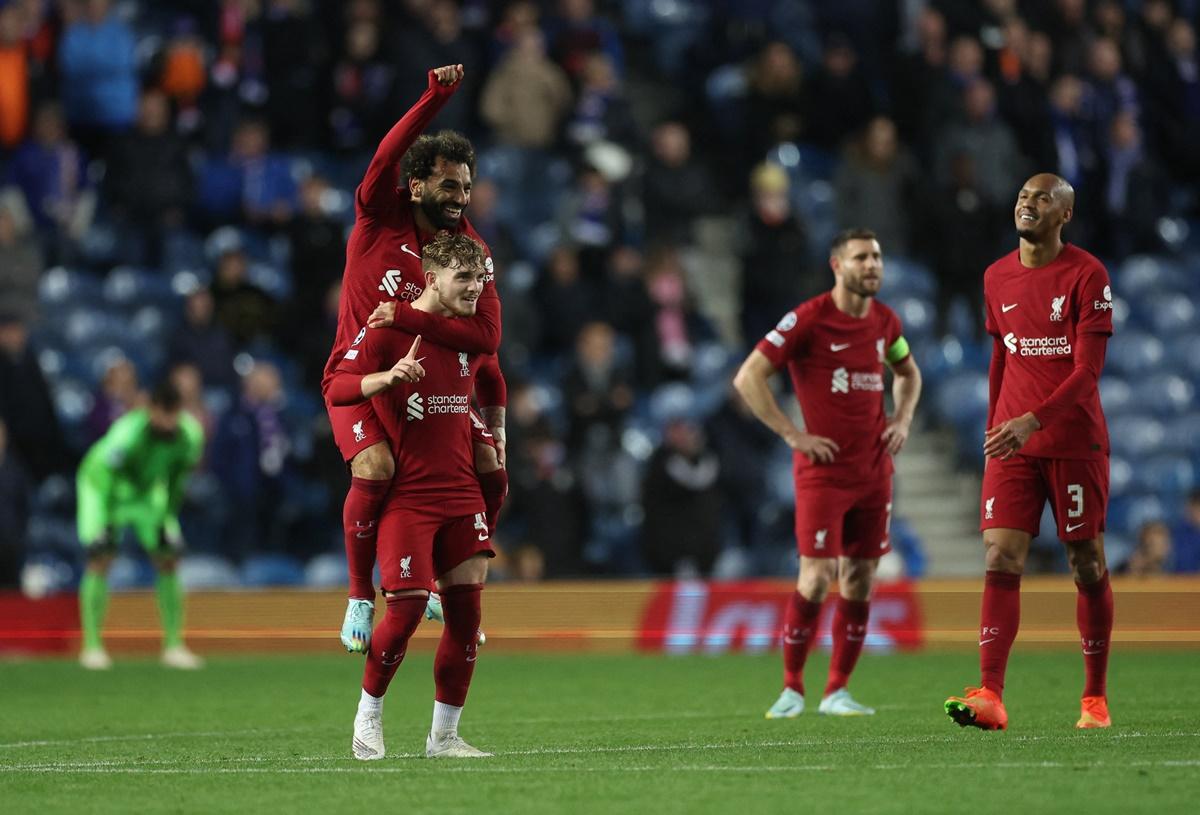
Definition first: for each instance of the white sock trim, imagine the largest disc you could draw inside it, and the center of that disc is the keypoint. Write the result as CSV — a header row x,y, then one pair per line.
x,y
370,704
445,719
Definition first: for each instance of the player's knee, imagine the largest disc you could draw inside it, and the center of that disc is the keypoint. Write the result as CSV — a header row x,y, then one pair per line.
x,y
374,464
471,571
99,562
486,459
1087,561
1001,557
856,579
816,578
165,565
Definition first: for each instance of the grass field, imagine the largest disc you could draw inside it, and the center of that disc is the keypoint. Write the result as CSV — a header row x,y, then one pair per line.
x,y
583,734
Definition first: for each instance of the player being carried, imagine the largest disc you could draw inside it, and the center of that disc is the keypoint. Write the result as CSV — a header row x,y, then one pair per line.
x,y
135,476
383,262
835,347
434,522
1049,311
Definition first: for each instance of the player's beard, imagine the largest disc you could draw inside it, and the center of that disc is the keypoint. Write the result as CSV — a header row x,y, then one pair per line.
x,y
434,212
1027,234
860,289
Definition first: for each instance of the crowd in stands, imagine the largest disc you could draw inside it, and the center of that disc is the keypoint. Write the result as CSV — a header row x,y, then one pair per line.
x,y
658,183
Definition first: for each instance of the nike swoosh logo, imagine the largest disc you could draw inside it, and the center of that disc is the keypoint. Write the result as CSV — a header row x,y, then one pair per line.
x,y
404,248
985,642
838,346
370,533
1093,653
471,659
791,641
1007,309
483,537
1073,527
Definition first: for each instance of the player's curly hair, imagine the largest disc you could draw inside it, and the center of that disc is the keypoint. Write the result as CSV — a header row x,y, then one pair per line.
x,y
452,249
449,144
844,237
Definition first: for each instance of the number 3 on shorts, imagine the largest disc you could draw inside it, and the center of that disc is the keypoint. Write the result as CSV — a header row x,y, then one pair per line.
x,y
1075,493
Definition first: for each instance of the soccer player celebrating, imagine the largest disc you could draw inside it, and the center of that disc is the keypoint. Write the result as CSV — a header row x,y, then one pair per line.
x,y
383,261
434,523
1049,311
835,347
134,476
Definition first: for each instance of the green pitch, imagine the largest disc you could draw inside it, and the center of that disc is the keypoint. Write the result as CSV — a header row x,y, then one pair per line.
x,y
584,734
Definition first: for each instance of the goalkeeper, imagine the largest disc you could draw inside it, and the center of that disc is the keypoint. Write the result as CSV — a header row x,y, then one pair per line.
x,y
134,477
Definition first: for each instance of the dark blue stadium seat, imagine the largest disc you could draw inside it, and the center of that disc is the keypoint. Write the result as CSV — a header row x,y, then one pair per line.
x,y
1168,313
61,287
963,399
1147,274
1116,396
1127,513
129,288
1134,353
916,315
1120,475
1183,355
1165,394
204,571
272,570
1184,432
1165,475
904,276
1136,436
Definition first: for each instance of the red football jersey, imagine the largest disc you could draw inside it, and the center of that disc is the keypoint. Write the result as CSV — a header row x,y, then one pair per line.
x,y
428,423
1037,314
383,255
836,363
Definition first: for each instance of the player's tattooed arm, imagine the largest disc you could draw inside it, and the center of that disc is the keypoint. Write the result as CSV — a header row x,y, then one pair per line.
x,y
753,382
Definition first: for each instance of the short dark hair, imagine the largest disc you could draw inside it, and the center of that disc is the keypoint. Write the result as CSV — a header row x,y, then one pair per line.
x,y
844,237
166,396
449,144
452,248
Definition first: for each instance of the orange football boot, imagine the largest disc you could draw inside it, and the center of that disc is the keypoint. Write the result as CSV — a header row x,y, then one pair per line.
x,y
980,708
1093,713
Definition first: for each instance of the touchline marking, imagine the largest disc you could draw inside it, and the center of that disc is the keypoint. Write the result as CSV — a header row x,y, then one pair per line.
x,y
152,736
706,768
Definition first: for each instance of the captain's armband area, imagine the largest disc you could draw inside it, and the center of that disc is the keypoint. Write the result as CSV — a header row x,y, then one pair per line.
x,y
898,351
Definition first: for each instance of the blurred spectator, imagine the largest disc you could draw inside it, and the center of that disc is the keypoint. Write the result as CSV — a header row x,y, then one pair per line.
x,y
188,380
1183,105
526,98
182,75
1066,22
14,78
1109,90
20,258
988,141
312,336
244,309
295,57
1135,192
119,393
679,326
26,406
1186,536
1023,89
774,254
202,341
545,507
743,446
774,102
318,250
15,495
1075,155
628,309
251,455
96,59
598,389
677,187
527,564
148,182
602,113
434,35
590,218
50,171
876,185
681,534
576,32
566,300
252,182
964,67
839,98
1152,555
915,73
360,90
966,232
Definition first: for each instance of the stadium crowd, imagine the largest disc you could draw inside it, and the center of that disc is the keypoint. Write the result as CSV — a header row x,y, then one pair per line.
x,y
658,183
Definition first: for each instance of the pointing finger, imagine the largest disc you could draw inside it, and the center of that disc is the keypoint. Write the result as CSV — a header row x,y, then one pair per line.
x,y
412,352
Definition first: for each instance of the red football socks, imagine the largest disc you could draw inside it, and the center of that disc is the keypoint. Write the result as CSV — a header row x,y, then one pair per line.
x,y
999,621
799,632
1094,616
455,660
390,641
360,524
849,633
495,489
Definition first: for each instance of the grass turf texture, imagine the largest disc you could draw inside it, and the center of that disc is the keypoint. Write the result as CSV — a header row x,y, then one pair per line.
x,y
583,734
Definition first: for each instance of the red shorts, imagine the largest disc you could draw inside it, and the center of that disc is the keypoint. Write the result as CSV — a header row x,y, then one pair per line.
x,y
416,545
355,428
844,520
1015,491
